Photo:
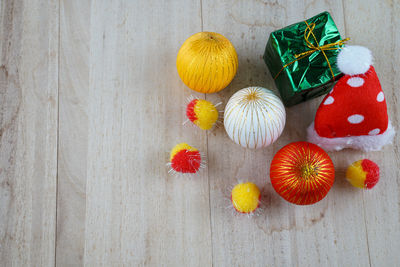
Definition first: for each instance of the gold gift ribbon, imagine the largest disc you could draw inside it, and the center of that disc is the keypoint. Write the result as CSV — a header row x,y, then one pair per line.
x,y
314,48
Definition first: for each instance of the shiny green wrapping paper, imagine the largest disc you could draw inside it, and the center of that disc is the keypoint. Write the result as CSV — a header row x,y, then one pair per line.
x,y
310,76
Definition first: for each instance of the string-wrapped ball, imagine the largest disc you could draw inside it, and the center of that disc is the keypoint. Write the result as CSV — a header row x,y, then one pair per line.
x,y
245,197
302,173
207,62
202,113
185,159
363,174
254,117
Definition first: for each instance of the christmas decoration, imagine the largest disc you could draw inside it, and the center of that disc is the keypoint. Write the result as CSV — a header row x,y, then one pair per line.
x,y
363,174
302,173
245,197
354,113
185,159
207,62
254,117
302,56
202,113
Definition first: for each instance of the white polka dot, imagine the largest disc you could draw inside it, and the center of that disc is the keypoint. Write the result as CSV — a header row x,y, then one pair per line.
x,y
355,82
380,97
374,131
329,100
356,118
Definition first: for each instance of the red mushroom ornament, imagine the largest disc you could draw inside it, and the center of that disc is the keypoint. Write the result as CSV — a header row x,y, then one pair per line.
x,y
354,114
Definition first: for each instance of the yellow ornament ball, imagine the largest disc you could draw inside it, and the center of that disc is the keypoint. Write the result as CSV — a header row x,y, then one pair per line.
x,y
245,197
207,62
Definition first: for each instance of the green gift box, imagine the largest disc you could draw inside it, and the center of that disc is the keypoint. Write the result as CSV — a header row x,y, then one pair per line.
x,y
302,58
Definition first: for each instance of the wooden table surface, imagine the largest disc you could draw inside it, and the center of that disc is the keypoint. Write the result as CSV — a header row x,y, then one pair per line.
x,y
91,103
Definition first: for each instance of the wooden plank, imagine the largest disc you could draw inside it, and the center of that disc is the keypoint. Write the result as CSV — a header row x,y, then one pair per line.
x,y
123,124
331,232
28,133
375,24
73,131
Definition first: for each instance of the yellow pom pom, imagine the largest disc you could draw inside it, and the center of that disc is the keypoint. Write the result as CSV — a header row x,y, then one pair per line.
x,y
206,113
245,197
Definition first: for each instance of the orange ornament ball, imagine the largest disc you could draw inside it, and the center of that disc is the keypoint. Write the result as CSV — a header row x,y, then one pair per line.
x,y
207,62
302,173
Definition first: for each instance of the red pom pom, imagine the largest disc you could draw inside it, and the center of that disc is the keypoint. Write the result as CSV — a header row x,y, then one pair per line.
x,y
372,170
190,110
186,161
363,174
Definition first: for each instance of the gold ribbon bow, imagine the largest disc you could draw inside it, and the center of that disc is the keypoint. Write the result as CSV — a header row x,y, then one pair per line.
x,y
314,48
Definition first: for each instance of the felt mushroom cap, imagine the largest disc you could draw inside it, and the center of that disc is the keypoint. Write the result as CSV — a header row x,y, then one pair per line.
x,y
356,106
354,113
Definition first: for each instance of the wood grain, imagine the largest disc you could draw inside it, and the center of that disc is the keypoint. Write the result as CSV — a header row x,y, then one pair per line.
x,y
28,135
73,131
382,205
91,103
136,214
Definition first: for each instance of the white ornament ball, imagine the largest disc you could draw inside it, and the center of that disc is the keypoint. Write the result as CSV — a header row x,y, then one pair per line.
x,y
254,117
